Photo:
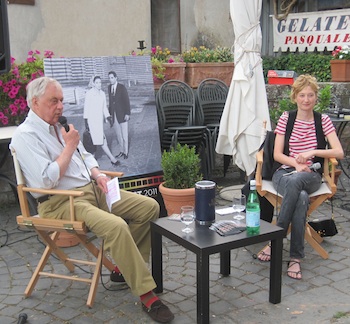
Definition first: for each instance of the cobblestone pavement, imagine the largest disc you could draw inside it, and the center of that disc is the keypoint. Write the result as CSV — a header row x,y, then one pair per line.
x,y
322,296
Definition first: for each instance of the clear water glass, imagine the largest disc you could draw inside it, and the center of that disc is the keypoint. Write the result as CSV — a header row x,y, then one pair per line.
x,y
239,205
187,217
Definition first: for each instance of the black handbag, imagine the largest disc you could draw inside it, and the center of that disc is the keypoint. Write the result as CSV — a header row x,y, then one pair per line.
x,y
324,227
87,142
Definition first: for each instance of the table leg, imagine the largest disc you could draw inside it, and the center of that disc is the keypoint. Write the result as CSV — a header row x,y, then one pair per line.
x,y
202,288
276,271
157,260
225,263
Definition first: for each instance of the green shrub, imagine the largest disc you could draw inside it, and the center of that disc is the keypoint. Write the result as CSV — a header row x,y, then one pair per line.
x,y
181,167
317,65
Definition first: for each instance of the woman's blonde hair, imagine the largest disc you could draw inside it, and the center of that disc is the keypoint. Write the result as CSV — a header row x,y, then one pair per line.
x,y
301,82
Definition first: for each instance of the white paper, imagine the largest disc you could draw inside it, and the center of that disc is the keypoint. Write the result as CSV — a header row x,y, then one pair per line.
x,y
175,217
113,194
224,211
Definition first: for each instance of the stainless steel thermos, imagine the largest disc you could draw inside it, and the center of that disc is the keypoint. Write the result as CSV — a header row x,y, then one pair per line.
x,y
205,202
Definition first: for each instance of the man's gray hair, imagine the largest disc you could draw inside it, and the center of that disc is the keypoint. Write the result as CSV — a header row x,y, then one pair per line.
x,y
37,88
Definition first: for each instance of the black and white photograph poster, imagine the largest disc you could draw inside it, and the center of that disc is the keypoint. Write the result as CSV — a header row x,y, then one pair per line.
x,y
110,100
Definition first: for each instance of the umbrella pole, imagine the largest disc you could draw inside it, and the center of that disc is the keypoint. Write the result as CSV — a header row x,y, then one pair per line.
x,y
227,160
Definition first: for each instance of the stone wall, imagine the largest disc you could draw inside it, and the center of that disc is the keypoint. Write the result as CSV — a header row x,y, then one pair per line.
x,y
340,97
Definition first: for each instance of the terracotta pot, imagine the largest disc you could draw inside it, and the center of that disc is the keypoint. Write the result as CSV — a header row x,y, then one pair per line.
x,y
340,70
175,198
197,72
173,71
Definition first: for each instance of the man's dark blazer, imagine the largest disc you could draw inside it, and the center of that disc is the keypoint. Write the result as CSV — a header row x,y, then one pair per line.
x,y
119,103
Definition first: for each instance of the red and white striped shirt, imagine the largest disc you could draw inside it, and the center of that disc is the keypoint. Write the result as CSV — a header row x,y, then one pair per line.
x,y
303,137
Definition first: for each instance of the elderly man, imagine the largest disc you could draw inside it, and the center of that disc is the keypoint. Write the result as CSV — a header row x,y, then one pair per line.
x,y
50,157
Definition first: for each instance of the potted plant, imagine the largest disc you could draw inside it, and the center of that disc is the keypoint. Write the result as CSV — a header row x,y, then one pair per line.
x,y
203,63
181,170
340,64
165,66
13,105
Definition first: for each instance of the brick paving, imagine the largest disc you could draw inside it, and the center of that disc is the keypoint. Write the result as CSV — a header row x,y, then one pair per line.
x,y
240,298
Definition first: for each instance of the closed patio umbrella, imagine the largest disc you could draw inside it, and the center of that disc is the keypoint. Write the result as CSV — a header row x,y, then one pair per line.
x,y
246,106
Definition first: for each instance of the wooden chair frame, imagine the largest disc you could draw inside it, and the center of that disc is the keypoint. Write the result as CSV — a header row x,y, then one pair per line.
x,y
49,231
327,190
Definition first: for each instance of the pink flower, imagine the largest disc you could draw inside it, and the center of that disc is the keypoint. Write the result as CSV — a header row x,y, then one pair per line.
x,y
14,110
12,94
154,50
48,54
13,105
5,120
23,105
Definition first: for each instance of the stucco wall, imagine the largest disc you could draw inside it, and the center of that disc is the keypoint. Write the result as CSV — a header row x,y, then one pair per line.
x,y
206,22
79,27
105,27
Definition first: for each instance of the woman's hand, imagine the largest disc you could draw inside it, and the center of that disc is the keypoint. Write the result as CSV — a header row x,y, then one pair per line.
x,y
302,167
304,157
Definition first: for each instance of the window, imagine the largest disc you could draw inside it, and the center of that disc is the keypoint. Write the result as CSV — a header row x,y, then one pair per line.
x,y
165,24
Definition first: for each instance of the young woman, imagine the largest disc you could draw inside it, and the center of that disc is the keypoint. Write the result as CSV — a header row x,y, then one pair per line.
x,y
95,114
303,150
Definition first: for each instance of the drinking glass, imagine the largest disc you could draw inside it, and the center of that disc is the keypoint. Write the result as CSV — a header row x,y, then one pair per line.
x,y
187,217
238,206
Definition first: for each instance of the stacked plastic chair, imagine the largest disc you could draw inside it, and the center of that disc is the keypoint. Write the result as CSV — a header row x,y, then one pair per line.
x,y
176,108
211,98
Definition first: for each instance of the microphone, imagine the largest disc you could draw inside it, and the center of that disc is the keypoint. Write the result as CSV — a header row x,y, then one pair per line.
x,y
63,121
22,318
312,167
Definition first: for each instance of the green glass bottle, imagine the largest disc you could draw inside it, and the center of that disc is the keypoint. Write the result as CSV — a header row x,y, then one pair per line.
x,y
253,211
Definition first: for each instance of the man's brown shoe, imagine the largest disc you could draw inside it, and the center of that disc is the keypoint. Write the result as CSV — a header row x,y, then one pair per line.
x,y
159,312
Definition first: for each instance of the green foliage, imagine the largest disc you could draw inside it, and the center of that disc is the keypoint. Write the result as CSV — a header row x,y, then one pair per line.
x,y
158,70
339,315
324,100
205,55
181,167
317,65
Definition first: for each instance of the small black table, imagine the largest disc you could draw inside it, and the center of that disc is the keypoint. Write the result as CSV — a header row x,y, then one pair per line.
x,y
204,242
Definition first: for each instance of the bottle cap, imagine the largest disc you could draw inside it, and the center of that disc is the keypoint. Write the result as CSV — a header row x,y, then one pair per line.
x,y
253,183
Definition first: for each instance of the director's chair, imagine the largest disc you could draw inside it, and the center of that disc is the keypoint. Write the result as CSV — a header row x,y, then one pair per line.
x,y
49,231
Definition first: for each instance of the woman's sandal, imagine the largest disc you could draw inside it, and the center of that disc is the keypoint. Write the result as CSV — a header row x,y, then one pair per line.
x,y
297,274
265,254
